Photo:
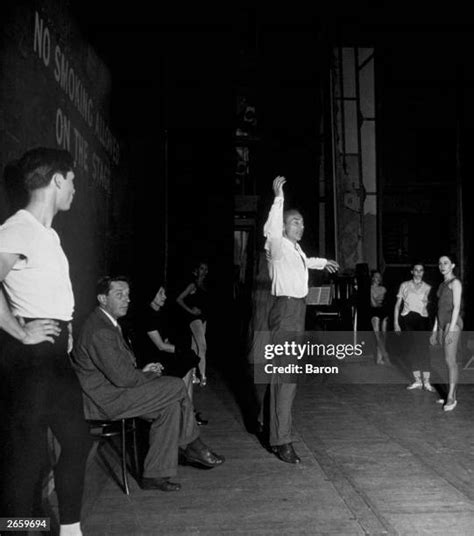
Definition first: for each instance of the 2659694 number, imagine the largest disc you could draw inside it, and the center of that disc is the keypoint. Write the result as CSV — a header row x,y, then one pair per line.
x,y
21,523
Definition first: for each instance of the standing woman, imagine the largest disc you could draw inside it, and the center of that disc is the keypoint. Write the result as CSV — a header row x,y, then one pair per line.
x,y
414,317
379,316
448,324
194,300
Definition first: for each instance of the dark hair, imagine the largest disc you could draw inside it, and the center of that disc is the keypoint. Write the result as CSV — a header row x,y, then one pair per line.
x,y
153,291
198,263
373,272
36,168
104,283
416,263
451,256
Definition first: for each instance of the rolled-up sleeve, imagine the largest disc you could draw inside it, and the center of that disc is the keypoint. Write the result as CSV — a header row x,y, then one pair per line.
x,y
316,263
15,240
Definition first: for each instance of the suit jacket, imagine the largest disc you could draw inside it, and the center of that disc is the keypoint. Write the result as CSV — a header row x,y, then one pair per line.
x,y
105,366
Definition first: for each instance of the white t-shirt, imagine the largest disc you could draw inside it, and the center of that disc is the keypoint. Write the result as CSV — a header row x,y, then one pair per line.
x,y
415,297
38,285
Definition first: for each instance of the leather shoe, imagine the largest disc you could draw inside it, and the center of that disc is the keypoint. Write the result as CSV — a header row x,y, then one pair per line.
x,y
199,455
286,453
163,484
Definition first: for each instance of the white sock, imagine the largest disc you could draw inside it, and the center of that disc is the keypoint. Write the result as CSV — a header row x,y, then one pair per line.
x,y
72,529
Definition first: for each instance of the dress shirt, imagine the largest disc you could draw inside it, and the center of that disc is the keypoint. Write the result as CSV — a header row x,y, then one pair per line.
x,y
122,336
287,262
111,318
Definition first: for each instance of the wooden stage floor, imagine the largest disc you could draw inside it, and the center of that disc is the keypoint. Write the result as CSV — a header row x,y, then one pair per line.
x,y
376,459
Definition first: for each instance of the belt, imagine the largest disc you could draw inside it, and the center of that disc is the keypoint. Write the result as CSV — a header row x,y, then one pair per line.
x,y
63,324
289,298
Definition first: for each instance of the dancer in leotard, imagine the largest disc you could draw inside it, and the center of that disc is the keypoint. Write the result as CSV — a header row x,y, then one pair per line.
x,y
448,325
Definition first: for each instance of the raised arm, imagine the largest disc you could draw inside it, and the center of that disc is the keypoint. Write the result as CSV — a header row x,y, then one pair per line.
x,y
273,228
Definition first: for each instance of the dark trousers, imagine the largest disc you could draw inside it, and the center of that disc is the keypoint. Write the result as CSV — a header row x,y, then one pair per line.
x,y
39,389
416,344
286,322
164,402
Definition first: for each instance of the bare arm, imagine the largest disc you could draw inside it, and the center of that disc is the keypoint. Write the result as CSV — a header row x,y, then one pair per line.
x,y
396,313
31,333
457,291
160,343
434,333
180,300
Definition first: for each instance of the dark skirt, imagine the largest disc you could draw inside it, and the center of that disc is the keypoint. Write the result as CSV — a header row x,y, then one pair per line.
x,y
379,312
179,363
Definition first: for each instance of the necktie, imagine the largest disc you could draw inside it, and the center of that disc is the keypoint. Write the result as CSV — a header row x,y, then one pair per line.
x,y
300,253
127,345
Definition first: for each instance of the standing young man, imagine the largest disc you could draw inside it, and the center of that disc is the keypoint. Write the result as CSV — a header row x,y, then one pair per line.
x,y
39,388
288,266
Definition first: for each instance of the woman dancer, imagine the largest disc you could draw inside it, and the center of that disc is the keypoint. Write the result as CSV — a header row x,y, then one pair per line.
x,y
175,358
379,317
193,300
175,361
414,317
448,324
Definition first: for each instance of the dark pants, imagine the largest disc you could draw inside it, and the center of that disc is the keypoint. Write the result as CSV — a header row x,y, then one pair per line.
x,y
416,344
286,321
164,402
39,389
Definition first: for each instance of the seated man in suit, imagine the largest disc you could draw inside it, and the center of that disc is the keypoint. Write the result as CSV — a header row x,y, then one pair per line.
x,y
114,388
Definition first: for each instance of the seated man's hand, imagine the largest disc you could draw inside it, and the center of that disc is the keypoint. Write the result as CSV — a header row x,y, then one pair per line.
x,y
156,368
196,311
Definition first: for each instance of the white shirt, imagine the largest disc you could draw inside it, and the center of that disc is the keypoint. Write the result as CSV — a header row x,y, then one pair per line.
x,y
415,297
287,263
38,285
111,318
